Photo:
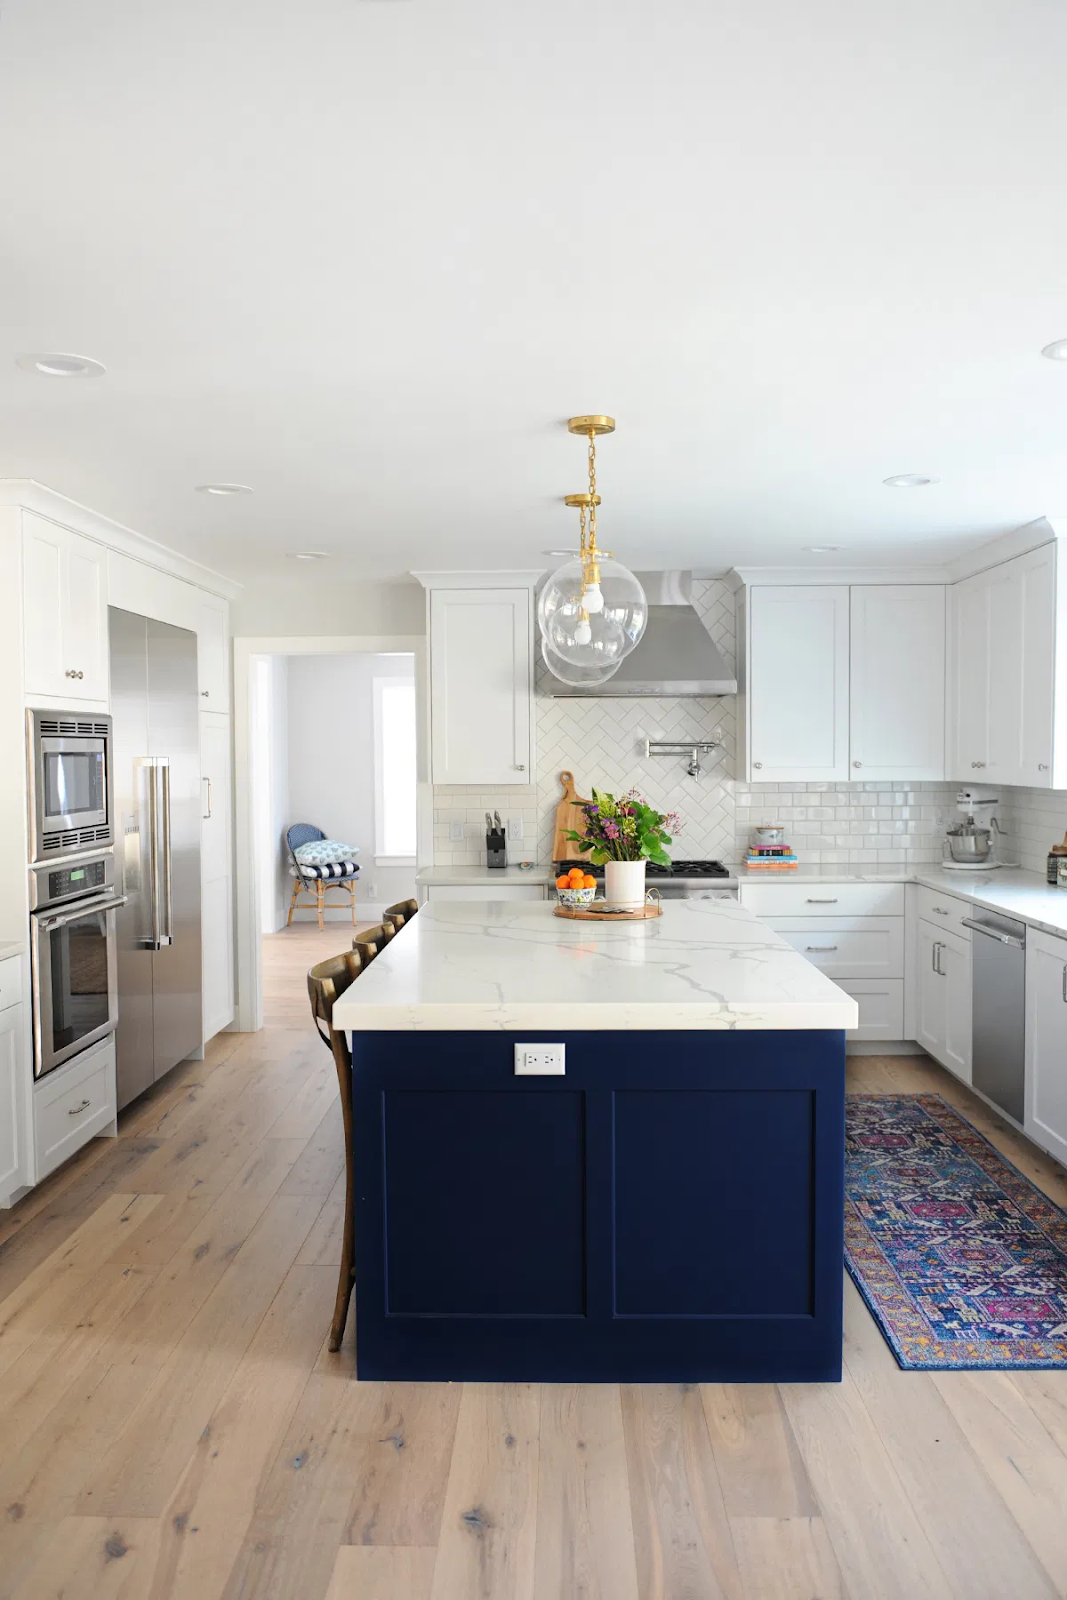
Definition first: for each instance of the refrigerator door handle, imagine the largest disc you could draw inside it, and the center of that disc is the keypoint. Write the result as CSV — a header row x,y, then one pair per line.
x,y
153,850
166,935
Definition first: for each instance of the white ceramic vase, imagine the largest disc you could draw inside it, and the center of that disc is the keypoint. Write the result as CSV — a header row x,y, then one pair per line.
x,y
624,884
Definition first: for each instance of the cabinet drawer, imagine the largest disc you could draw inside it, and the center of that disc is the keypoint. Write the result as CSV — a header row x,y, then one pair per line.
x,y
823,899
10,982
881,1003
487,891
945,910
847,947
72,1104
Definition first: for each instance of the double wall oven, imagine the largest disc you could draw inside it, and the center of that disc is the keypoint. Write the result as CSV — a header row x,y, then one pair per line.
x,y
73,901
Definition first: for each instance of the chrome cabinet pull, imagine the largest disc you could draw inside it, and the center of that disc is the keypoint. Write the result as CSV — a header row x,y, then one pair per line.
x,y
810,902
935,958
977,764
76,1111
205,815
757,764
857,763
73,674
1042,766
521,767
820,947
206,693
942,911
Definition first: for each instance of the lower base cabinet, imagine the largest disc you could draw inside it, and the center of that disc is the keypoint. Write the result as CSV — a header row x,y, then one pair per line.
x,y
943,997
1045,1118
881,1004
73,1104
12,1066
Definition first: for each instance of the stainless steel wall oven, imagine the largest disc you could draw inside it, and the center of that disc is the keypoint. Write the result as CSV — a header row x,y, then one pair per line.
x,y
73,956
70,783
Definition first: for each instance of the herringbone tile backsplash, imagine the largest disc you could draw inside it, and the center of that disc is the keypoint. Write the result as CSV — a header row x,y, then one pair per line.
x,y
597,740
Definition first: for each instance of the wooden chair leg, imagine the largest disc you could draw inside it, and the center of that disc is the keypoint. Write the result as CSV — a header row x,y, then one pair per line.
x,y
292,903
352,900
320,888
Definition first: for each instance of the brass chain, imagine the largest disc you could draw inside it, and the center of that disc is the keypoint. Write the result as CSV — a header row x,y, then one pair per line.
x,y
592,490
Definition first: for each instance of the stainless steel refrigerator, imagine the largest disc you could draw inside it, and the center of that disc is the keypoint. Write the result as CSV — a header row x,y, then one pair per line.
x,y
156,766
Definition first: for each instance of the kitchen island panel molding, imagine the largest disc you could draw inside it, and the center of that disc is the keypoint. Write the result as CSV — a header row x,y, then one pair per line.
x,y
663,1213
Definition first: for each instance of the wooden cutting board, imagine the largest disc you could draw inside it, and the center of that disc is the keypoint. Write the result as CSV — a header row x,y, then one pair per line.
x,y
569,815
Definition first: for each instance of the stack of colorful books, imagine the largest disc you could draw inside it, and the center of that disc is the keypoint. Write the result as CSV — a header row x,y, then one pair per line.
x,y
772,858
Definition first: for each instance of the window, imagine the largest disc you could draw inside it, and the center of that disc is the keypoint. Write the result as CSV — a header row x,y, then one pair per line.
x,y
394,770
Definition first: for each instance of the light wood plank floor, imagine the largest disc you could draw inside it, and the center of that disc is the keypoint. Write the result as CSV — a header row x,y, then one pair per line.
x,y
172,1425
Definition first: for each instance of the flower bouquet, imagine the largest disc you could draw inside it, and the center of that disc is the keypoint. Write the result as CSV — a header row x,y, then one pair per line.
x,y
621,834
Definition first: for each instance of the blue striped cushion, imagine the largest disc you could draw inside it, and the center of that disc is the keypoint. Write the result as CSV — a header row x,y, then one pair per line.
x,y
329,869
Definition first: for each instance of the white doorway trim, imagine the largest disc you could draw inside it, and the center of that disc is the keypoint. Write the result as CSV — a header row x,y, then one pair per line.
x,y
249,1010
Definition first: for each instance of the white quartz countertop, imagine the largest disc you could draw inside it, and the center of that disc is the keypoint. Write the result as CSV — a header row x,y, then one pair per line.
x,y
512,965
429,877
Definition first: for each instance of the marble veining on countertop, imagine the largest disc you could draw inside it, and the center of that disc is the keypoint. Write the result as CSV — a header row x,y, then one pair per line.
x,y
513,965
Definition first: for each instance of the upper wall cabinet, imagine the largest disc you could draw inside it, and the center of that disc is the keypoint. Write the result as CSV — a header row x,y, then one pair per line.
x,y
213,653
64,613
844,684
798,684
481,685
1002,675
897,682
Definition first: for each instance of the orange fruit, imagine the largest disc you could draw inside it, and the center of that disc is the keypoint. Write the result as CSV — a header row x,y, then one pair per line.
x,y
588,882
576,875
564,882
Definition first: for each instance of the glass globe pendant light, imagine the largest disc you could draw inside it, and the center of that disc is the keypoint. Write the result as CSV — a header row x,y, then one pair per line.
x,y
592,611
577,677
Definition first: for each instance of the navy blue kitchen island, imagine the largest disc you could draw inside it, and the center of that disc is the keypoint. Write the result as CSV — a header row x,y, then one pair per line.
x,y
668,1208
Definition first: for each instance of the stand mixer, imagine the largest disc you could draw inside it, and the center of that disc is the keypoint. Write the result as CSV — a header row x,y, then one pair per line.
x,y
971,843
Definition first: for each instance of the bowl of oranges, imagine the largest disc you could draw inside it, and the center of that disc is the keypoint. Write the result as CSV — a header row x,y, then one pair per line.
x,y
576,888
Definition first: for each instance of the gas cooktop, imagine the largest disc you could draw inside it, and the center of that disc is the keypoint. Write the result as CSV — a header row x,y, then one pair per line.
x,y
676,870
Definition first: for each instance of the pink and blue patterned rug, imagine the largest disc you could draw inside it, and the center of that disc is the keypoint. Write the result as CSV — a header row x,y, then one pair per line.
x,y
962,1261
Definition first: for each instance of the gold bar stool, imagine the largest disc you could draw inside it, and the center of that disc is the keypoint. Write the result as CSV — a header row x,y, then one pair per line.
x,y
326,981
401,913
372,941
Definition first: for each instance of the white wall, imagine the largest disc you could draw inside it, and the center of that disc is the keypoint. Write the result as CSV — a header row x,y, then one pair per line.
x,y
331,759
314,598
270,787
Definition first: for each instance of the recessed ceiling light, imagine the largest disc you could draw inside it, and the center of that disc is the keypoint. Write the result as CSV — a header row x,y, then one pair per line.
x,y
909,480
56,365
822,549
223,488
1056,351
309,555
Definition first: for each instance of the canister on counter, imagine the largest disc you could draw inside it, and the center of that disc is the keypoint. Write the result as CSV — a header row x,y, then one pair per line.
x,y
1057,863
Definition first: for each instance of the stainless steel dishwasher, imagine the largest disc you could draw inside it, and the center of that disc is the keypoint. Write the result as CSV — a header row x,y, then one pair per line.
x,y
998,1002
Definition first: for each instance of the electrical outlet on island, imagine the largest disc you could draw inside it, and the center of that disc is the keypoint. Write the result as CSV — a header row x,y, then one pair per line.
x,y
539,1060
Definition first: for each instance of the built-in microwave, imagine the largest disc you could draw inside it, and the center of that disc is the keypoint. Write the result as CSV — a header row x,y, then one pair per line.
x,y
70,783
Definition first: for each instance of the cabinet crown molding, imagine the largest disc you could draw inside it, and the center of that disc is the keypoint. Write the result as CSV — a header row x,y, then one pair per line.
x,y
523,578
822,577
29,495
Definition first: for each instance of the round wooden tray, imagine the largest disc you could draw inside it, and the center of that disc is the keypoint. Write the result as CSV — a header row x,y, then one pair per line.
x,y
651,908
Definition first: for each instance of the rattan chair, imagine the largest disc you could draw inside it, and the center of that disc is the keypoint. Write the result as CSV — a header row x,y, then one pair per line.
x,y
401,913
316,880
326,982
372,941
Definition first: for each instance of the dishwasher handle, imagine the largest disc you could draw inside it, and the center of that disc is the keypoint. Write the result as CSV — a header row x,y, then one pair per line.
x,y
1005,938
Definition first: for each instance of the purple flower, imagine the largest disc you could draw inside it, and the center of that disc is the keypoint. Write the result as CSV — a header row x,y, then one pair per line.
x,y
611,829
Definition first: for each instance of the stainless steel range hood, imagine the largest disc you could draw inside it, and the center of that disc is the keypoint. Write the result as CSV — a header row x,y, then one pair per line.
x,y
676,656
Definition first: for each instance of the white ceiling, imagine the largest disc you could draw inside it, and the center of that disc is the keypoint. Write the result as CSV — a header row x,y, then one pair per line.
x,y
367,256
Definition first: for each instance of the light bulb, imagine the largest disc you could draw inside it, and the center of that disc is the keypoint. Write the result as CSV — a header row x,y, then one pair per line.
x,y
583,633
593,598
609,631
585,677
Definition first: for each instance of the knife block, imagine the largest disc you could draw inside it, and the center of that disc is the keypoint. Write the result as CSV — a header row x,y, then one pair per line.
x,y
496,848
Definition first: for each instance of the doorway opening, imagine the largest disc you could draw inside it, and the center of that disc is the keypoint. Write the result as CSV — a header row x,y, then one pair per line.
x,y
332,743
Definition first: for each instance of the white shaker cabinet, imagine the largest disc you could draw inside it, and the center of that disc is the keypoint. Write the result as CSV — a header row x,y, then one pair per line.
x,y
213,653
216,895
481,685
1002,673
64,610
897,682
13,1070
798,688
943,998
1045,1116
